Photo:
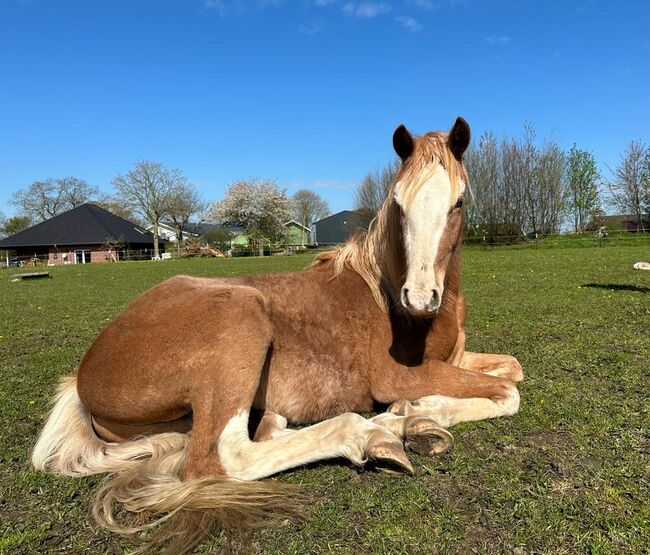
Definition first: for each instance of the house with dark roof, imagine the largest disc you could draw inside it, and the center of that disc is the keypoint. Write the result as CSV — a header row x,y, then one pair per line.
x,y
84,234
167,229
337,228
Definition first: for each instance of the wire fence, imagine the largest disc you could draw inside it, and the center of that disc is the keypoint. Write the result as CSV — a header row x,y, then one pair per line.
x,y
566,240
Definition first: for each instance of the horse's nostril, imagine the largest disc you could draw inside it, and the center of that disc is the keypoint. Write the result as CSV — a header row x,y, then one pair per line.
x,y
405,296
434,303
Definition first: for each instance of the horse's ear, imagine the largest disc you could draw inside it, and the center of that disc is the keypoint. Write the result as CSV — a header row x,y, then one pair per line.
x,y
403,142
458,139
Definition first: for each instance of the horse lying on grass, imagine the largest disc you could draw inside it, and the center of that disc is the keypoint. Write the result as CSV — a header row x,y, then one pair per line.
x,y
378,321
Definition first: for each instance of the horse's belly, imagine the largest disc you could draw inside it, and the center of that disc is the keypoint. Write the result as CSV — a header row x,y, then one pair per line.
x,y
306,389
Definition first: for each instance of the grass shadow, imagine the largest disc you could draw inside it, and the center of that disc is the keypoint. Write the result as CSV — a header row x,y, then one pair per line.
x,y
619,287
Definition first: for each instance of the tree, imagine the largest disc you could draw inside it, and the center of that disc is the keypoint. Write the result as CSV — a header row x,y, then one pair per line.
x,y
516,186
308,207
258,205
14,225
117,207
45,199
218,237
373,189
147,190
551,183
627,186
645,182
184,202
582,181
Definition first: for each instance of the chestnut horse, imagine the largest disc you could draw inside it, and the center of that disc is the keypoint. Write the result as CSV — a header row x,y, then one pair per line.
x,y
164,399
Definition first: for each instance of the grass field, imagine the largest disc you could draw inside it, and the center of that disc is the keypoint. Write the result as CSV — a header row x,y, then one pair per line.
x,y
569,474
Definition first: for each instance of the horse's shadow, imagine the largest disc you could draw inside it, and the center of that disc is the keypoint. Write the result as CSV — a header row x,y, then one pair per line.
x,y
619,287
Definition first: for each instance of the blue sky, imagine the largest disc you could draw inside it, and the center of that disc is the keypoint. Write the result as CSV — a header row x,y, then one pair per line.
x,y
305,91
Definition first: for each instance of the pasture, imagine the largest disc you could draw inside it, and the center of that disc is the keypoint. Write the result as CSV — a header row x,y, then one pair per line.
x,y
568,474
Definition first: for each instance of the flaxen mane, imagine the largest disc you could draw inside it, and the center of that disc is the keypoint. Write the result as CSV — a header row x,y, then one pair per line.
x,y
375,254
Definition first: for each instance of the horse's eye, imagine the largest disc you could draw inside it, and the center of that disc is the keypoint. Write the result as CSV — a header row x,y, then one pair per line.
x,y
459,202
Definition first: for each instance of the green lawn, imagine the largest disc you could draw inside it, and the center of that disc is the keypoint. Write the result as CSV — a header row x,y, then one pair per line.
x,y
568,474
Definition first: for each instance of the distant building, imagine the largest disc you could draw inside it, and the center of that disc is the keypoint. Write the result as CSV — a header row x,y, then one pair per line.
x,y
627,222
80,236
194,229
297,234
337,228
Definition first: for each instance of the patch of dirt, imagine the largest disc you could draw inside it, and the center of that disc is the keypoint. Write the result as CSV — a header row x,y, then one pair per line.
x,y
543,440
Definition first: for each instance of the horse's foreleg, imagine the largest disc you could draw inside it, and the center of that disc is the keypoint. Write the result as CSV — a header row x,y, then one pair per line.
x,y
445,393
448,411
271,426
504,366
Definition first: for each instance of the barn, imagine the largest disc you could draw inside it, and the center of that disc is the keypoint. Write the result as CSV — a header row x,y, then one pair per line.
x,y
337,228
82,235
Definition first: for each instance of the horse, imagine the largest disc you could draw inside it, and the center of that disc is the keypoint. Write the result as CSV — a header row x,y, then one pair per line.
x,y
184,399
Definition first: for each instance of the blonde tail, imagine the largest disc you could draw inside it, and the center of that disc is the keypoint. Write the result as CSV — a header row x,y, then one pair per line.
x,y
68,444
145,479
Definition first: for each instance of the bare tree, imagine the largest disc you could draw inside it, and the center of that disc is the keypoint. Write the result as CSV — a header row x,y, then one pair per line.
x,y
147,190
308,207
185,202
627,186
49,198
373,189
551,200
645,182
516,186
115,206
582,181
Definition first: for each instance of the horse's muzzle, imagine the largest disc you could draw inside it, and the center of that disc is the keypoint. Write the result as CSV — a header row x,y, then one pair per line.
x,y
421,303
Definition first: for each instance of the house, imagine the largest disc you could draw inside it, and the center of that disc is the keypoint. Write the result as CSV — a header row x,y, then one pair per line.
x,y
80,236
626,222
192,229
337,228
297,234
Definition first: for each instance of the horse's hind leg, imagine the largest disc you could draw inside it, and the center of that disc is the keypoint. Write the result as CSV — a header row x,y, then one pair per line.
x,y
348,435
224,382
420,433
222,390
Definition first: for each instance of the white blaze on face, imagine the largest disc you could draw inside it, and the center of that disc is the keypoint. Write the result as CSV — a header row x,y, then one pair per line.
x,y
424,222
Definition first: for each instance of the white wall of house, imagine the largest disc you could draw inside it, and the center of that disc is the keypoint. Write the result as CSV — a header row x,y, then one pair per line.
x,y
169,232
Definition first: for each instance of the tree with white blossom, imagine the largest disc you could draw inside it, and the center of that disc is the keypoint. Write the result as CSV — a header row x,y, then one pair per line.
x,y
258,205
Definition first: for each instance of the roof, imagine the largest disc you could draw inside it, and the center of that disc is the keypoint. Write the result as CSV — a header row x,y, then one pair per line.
x,y
87,224
344,213
296,223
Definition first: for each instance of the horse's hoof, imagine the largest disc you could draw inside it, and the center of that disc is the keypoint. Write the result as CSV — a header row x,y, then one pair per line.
x,y
401,408
510,369
424,436
389,458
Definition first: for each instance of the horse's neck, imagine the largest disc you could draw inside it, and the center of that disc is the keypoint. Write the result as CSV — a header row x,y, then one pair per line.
x,y
413,341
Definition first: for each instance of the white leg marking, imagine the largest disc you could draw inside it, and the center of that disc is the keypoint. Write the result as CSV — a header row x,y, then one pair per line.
x,y
348,435
448,411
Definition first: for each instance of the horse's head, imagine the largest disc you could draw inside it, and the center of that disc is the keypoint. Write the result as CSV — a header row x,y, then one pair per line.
x,y
429,190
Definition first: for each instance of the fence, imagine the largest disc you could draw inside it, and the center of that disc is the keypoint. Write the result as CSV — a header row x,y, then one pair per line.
x,y
35,260
42,259
606,239
568,240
